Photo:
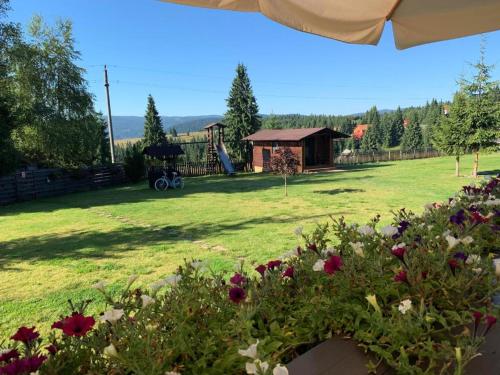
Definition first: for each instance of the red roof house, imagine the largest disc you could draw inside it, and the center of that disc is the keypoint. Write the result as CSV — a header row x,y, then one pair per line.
x,y
359,131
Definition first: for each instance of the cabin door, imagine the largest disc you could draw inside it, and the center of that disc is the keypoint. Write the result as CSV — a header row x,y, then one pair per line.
x,y
266,159
310,151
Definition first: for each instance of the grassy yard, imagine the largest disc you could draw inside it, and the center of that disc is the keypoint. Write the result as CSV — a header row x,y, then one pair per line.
x,y
55,249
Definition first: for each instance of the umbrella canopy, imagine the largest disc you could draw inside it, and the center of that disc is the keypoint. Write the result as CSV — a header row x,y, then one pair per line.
x,y
362,21
163,151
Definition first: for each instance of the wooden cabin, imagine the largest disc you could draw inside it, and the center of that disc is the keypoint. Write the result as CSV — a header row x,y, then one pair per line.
x,y
312,146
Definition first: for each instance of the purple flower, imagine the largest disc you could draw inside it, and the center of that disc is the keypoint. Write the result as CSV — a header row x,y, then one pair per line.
x,y
401,277
273,264
288,272
261,269
458,218
460,255
238,279
237,294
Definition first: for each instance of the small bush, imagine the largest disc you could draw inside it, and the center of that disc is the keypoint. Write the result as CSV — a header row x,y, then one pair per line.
x,y
134,164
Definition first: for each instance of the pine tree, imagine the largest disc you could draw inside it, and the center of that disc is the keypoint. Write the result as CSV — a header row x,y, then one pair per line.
x,y
372,117
173,132
483,109
412,137
451,136
369,140
242,117
397,128
153,128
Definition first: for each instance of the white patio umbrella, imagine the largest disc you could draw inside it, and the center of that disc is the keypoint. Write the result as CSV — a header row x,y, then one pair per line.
x,y
362,21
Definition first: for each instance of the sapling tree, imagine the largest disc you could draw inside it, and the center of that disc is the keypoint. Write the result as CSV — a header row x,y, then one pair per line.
x,y
284,162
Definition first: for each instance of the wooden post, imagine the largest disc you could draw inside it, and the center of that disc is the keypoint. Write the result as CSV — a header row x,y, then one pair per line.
x,y
110,119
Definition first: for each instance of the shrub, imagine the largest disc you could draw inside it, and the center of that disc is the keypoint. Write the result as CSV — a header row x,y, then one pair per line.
x,y
134,162
416,293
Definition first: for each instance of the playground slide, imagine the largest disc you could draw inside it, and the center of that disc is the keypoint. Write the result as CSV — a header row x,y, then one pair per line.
x,y
224,158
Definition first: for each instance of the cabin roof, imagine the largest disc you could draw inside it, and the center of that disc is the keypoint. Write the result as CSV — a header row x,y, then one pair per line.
x,y
290,134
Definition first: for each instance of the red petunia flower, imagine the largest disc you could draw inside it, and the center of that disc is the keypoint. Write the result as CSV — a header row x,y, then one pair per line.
x,y
237,294
477,320
238,279
23,366
7,356
288,272
75,325
401,277
477,218
453,263
273,264
399,252
52,349
333,264
313,247
490,322
424,275
25,335
261,269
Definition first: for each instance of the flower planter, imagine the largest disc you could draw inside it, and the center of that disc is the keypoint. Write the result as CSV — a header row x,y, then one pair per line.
x,y
340,356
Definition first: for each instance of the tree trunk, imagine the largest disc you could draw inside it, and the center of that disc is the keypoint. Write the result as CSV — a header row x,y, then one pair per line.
x,y
286,190
457,165
475,166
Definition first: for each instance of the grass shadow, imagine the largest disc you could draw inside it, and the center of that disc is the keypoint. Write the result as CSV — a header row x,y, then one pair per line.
x,y
338,191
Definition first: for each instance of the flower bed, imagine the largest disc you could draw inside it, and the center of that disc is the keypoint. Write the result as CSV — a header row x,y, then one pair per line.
x,y
417,294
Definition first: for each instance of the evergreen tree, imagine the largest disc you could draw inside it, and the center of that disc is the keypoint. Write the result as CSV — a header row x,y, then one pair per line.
x,y
173,132
397,128
242,117
451,136
153,128
369,140
483,110
412,137
372,117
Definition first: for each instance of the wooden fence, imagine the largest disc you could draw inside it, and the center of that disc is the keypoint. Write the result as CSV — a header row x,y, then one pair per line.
x,y
194,169
41,183
378,156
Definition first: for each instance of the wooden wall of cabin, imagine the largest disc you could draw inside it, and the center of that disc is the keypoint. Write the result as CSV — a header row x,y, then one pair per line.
x,y
261,149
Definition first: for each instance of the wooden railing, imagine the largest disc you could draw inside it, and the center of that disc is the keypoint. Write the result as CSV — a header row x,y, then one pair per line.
x,y
378,156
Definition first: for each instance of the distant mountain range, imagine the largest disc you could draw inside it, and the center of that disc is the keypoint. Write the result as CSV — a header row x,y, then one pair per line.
x,y
125,127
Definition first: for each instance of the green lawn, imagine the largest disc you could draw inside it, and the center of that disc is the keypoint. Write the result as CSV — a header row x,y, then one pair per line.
x,y
55,249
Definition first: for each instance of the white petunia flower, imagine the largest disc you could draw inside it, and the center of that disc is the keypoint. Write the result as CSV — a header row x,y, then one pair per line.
x,y
447,232
328,252
473,259
494,202
147,300
289,254
253,368
366,230
172,373
404,306
477,270
452,241
319,265
112,315
110,351
100,285
250,352
156,286
197,264
280,370
389,231
173,279
358,249
467,240
429,206
430,227
298,231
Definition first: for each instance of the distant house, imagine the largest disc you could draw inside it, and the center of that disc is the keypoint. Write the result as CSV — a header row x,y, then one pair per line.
x,y
359,131
312,146
406,123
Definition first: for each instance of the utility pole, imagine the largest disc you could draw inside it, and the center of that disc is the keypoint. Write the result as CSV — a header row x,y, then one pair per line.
x,y
110,119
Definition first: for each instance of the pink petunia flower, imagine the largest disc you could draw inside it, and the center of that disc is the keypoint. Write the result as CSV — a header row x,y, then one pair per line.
x,y
25,335
333,264
288,272
237,294
238,279
261,269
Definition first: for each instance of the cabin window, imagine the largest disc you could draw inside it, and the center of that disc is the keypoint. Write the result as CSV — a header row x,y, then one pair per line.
x,y
275,146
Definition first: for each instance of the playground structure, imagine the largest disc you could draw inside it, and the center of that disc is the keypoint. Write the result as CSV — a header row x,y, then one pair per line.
x,y
217,151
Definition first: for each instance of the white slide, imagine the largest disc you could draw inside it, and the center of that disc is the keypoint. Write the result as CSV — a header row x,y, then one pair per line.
x,y
224,158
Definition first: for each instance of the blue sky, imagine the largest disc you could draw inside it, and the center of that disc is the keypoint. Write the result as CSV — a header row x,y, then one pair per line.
x,y
185,57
